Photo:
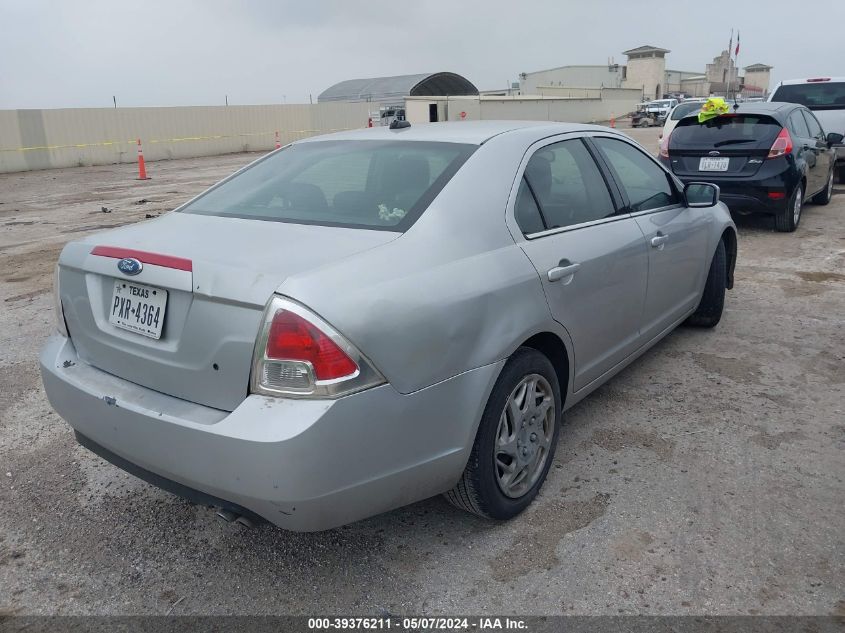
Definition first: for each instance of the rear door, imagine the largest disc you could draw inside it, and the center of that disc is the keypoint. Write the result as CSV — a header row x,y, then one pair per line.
x,y
676,236
804,148
728,146
817,145
591,259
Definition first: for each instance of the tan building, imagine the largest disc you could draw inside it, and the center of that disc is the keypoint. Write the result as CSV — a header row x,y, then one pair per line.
x,y
646,70
758,76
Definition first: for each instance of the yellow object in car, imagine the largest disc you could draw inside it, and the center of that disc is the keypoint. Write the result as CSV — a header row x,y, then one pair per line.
x,y
712,108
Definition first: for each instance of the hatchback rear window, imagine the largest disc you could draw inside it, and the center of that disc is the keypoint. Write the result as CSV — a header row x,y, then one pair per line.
x,y
816,96
731,131
358,184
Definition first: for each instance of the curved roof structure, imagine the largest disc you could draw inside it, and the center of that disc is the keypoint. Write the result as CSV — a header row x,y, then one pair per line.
x,y
381,89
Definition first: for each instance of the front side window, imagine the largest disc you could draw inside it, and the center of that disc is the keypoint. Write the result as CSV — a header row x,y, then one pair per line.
x,y
568,185
357,184
646,184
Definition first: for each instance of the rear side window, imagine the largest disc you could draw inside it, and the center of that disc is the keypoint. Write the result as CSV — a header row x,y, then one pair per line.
x,y
731,131
813,124
798,125
567,184
822,95
645,182
526,210
358,184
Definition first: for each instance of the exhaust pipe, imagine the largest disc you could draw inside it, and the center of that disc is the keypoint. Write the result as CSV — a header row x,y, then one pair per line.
x,y
231,517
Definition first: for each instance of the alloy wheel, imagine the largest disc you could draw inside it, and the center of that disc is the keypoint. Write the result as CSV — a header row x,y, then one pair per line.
x,y
524,435
796,206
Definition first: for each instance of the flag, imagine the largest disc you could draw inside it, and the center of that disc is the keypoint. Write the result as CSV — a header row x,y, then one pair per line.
x,y
736,52
731,43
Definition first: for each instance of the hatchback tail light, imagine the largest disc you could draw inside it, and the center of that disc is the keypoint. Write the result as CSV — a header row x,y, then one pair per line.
x,y
298,354
782,145
664,146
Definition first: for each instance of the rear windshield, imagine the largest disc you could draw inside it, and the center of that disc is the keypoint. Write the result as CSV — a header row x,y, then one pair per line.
x,y
816,96
731,131
684,109
358,184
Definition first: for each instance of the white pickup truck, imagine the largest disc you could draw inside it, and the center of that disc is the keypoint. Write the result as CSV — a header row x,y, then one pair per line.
x,y
825,96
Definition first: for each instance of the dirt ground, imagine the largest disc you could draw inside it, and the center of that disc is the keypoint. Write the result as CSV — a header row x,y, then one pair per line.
x,y
707,478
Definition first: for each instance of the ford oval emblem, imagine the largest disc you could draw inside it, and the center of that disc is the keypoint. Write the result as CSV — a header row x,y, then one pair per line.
x,y
129,266
713,153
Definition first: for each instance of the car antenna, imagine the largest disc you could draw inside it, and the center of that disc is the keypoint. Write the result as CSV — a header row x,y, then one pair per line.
x,y
396,124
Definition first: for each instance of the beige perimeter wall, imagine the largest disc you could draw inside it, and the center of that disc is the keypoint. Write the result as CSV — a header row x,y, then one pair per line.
x,y
44,139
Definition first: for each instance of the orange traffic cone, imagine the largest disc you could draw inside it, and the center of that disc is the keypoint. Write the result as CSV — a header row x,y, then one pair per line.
x,y
278,142
142,168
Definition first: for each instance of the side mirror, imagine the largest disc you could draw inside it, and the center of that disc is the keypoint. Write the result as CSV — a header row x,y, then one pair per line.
x,y
700,195
834,138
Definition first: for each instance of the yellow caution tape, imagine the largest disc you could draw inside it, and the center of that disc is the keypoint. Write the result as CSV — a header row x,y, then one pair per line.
x,y
168,140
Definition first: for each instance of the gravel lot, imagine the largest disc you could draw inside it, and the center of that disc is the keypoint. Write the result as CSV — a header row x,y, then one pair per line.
x,y
707,478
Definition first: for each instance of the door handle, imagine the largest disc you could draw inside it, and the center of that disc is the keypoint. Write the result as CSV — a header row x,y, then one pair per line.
x,y
659,240
565,269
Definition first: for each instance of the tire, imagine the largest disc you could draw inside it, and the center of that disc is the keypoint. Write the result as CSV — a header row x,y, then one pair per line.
x,y
787,219
842,175
493,485
824,196
709,310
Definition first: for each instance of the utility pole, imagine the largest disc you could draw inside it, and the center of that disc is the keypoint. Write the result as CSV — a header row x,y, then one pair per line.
x,y
113,98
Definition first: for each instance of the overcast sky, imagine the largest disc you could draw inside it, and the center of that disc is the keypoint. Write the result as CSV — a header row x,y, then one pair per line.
x,y
63,53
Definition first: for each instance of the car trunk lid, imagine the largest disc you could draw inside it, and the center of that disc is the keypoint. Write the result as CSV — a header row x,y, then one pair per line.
x,y
217,274
727,146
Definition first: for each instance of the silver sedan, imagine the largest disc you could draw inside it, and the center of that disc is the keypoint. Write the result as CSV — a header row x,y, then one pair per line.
x,y
359,321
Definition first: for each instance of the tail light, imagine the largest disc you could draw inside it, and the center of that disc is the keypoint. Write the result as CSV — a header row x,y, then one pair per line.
x,y
664,146
298,354
782,145
61,326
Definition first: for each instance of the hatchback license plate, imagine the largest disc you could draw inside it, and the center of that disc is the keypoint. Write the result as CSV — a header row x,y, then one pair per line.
x,y
138,308
713,164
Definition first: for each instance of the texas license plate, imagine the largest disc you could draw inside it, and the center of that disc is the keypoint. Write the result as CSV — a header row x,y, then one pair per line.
x,y
138,308
713,164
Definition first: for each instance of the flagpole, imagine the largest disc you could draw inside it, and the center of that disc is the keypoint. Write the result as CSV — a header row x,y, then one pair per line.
x,y
730,76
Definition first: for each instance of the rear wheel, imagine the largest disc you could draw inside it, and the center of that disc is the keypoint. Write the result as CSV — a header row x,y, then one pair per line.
x,y
826,194
515,442
709,310
788,217
842,175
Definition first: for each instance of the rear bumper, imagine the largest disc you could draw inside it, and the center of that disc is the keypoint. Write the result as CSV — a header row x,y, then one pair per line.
x,y
751,195
303,465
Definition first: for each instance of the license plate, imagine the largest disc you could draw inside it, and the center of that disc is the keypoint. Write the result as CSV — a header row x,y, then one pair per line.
x,y
138,308
713,164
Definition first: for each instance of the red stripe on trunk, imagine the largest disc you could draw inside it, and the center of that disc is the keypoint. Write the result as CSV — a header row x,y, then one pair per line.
x,y
153,259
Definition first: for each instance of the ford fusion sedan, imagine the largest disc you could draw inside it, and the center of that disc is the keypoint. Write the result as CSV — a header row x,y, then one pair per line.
x,y
765,157
359,321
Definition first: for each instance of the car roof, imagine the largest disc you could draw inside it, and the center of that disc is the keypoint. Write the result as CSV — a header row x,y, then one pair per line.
x,y
470,132
760,107
812,80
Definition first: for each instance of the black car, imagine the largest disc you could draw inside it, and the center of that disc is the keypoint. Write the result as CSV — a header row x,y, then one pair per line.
x,y
765,157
